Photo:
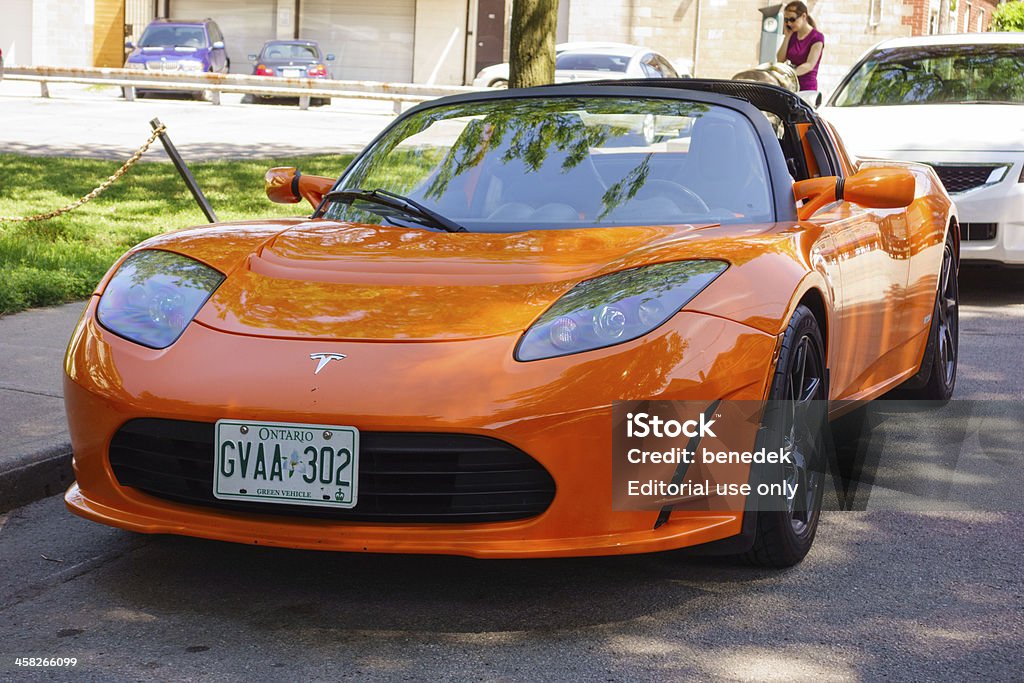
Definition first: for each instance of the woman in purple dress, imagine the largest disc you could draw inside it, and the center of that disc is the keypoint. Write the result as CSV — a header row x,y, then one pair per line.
x,y
803,44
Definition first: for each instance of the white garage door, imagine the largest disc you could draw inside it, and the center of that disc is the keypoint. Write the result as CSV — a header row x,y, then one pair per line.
x,y
373,41
246,26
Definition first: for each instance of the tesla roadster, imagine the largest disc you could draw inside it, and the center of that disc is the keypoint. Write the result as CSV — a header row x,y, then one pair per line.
x,y
428,362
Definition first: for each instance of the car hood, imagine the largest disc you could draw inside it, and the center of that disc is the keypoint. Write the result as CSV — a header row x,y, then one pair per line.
x,y
328,280
874,131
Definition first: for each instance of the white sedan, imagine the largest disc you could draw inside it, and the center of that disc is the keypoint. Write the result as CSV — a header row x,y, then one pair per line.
x,y
955,102
591,61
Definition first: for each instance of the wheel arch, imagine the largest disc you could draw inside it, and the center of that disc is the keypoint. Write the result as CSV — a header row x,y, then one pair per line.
x,y
815,300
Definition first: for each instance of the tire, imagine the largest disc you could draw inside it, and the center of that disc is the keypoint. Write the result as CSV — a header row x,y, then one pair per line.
x,y
498,83
784,536
936,378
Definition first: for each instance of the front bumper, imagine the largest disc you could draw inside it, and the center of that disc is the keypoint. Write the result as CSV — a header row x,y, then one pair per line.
x,y
558,411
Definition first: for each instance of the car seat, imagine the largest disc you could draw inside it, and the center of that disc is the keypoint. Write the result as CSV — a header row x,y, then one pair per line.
x,y
725,167
545,163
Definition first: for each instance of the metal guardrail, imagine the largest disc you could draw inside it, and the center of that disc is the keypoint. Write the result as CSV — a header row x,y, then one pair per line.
x,y
306,89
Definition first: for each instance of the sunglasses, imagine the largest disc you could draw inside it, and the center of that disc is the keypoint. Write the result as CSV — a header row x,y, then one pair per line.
x,y
790,20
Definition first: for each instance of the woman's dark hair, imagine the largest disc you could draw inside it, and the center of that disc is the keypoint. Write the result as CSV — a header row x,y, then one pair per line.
x,y
801,10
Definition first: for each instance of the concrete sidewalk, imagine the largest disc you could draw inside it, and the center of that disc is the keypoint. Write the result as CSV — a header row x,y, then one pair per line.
x,y
35,452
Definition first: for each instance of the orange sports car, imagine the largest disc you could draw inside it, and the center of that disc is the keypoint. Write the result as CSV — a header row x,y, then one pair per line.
x,y
429,362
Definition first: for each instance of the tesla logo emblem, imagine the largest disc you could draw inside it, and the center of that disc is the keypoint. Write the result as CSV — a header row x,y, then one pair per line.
x,y
324,359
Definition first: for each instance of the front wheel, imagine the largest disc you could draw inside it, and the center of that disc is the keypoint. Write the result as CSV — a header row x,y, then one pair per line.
x,y
794,420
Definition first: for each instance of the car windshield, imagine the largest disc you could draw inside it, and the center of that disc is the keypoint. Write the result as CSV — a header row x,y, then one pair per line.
x,y
944,74
173,36
286,51
505,165
585,61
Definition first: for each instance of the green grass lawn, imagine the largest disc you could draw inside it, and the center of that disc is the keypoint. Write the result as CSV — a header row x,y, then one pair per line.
x,y
62,259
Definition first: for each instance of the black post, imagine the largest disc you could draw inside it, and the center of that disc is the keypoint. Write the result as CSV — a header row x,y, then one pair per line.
x,y
186,175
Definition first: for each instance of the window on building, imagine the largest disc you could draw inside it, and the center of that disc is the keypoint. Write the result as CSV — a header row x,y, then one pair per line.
x,y
981,20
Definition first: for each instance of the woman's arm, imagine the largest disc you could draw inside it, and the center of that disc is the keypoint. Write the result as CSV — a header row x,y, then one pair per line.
x,y
781,54
812,59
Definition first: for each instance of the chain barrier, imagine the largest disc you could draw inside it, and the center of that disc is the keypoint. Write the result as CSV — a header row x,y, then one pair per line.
x,y
95,193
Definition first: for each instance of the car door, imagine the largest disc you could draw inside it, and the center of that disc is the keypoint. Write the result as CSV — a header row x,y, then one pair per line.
x,y
218,55
871,250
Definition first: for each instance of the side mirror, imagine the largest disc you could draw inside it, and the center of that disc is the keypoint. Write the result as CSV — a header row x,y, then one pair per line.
x,y
252,58
219,45
130,44
872,188
330,57
286,185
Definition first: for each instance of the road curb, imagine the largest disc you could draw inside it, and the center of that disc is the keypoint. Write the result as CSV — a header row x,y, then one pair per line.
x,y
37,475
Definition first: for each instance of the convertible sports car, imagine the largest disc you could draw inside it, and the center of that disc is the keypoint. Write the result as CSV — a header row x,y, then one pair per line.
x,y
428,363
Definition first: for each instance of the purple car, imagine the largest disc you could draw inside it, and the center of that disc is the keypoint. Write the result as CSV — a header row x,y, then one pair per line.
x,y
180,46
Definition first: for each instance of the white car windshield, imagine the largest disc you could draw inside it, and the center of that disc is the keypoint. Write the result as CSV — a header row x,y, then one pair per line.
x,y
941,74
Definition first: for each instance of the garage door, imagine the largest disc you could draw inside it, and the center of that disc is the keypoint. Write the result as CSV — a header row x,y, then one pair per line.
x,y
373,41
246,26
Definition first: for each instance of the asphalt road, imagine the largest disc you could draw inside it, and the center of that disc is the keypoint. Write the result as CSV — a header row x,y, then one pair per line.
x,y
883,594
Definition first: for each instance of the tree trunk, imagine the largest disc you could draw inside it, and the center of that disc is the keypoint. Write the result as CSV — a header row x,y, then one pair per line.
x,y
532,48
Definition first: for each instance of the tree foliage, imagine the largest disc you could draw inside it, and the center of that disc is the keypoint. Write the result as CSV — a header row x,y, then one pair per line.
x,y
532,43
1008,17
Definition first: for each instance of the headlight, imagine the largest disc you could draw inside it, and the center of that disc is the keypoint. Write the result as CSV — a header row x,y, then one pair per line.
x,y
616,308
154,295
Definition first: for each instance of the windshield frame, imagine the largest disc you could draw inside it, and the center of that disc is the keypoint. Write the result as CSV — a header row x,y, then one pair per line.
x,y
779,183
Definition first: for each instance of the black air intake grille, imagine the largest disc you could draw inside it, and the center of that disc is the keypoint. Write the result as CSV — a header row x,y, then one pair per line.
x,y
962,178
403,477
977,232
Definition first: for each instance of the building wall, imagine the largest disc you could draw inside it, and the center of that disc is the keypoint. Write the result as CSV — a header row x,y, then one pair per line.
x,y
62,32
440,42
16,32
969,13
852,28
108,33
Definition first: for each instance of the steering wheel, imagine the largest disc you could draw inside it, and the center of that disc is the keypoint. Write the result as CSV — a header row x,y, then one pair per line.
x,y
686,199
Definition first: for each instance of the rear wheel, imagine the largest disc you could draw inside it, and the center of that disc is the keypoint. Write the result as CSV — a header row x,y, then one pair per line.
x,y
795,420
936,377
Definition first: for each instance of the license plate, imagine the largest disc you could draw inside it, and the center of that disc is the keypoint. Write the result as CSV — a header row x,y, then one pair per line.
x,y
291,73
298,464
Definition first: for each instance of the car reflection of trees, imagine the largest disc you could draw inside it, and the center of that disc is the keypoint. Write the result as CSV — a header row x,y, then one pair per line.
x,y
529,131
144,266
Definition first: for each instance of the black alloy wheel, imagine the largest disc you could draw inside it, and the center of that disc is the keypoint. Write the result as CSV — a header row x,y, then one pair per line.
x,y
947,308
936,377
